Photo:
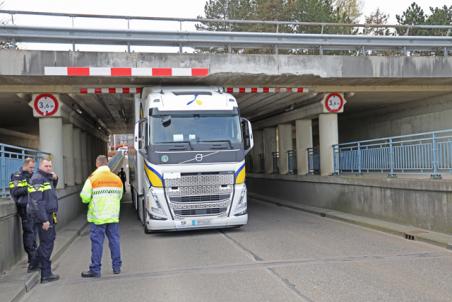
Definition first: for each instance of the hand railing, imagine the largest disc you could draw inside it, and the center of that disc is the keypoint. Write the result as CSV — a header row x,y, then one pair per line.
x,y
429,152
11,159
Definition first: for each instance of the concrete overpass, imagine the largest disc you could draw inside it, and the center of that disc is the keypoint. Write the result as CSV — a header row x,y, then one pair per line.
x,y
385,96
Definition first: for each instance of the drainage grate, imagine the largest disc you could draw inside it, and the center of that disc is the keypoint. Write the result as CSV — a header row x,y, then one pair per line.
x,y
409,237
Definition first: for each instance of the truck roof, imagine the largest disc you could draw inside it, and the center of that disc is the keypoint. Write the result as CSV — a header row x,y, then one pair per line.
x,y
189,98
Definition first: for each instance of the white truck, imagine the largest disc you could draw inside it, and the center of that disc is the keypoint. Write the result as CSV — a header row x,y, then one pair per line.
x,y
187,167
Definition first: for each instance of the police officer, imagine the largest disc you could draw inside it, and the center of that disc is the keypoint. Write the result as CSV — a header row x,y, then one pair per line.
x,y
19,192
43,206
102,192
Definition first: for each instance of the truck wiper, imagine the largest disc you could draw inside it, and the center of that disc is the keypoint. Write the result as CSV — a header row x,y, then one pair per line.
x,y
218,141
178,142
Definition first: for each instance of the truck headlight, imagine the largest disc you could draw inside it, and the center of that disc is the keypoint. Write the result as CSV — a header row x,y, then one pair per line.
x,y
155,209
242,206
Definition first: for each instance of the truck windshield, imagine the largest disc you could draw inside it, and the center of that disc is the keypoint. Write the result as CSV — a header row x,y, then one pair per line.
x,y
195,128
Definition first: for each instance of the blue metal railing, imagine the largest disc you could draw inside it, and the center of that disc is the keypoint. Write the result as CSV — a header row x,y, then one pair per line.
x,y
313,160
429,152
11,159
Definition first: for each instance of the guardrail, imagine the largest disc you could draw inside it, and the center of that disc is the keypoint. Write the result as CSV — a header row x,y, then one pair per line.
x,y
424,153
11,159
229,38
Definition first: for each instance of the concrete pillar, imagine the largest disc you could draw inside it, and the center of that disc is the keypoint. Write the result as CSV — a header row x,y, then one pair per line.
x,y
269,148
77,156
285,144
304,141
68,154
83,162
51,140
328,132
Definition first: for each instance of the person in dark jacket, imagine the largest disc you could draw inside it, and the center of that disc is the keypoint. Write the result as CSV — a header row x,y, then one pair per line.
x,y
19,192
43,207
122,175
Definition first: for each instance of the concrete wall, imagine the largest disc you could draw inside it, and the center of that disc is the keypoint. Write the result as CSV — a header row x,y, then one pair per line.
x,y
422,116
11,250
422,203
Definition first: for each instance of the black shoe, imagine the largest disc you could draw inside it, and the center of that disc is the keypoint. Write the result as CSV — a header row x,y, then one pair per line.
x,y
116,271
51,278
90,274
33,268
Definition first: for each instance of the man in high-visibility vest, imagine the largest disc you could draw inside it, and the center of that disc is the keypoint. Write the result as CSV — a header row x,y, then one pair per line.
x,y
103,192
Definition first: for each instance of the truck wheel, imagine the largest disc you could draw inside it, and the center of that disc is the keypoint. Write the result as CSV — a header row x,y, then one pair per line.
x,y
146,230
143,213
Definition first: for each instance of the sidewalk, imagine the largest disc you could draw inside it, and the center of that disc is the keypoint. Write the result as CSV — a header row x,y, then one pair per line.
x,y
405,231
17,281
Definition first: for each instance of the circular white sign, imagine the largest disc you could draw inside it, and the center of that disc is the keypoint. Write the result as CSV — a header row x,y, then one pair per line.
x,y
334,102
46,104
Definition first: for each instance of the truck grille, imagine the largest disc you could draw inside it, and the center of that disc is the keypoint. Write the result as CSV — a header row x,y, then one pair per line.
x,y
200,212
200,194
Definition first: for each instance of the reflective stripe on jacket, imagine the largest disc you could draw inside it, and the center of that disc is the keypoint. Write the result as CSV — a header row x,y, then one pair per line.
x,y
103,192
43,199
18,187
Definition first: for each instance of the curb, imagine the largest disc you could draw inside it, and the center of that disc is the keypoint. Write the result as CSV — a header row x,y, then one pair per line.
x,y
34,278
405,231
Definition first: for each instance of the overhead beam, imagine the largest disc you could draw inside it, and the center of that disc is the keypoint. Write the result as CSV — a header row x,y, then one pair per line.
x,y
309,111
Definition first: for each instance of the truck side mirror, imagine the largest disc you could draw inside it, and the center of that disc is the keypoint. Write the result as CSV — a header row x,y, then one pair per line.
x,y
247,133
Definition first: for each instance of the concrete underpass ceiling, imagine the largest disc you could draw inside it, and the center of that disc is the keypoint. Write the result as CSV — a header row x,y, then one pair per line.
x,y
116,111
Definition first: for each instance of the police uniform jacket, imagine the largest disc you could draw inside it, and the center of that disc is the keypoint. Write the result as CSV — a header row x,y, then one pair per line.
x,y
43,199
18,187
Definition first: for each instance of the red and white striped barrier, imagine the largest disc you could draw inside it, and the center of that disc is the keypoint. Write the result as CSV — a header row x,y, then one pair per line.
x,y
133,90
265,89
125,72
111,90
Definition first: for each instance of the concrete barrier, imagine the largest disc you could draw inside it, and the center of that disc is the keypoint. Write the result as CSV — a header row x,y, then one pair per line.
x,y
11,250
422,203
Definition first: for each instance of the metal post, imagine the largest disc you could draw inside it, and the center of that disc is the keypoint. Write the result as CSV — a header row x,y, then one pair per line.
x,y
261,163
3,179
435,174
322,29
391,159
275,156
73,25
180,30
321,50
292,161
449,151
128,28
446,52
310,160
336,162
359,159
12,19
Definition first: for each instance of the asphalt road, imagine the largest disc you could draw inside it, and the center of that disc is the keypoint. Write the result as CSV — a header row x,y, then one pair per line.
x,y
281,255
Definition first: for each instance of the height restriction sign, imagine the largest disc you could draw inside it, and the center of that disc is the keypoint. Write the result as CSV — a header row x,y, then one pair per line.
x,y
45,105
333,102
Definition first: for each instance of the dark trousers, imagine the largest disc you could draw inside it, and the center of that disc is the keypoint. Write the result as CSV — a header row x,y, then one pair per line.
x,y
29,234
97,235
45,249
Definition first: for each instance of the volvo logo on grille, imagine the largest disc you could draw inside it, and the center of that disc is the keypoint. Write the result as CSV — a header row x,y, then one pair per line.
x,y
199,157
